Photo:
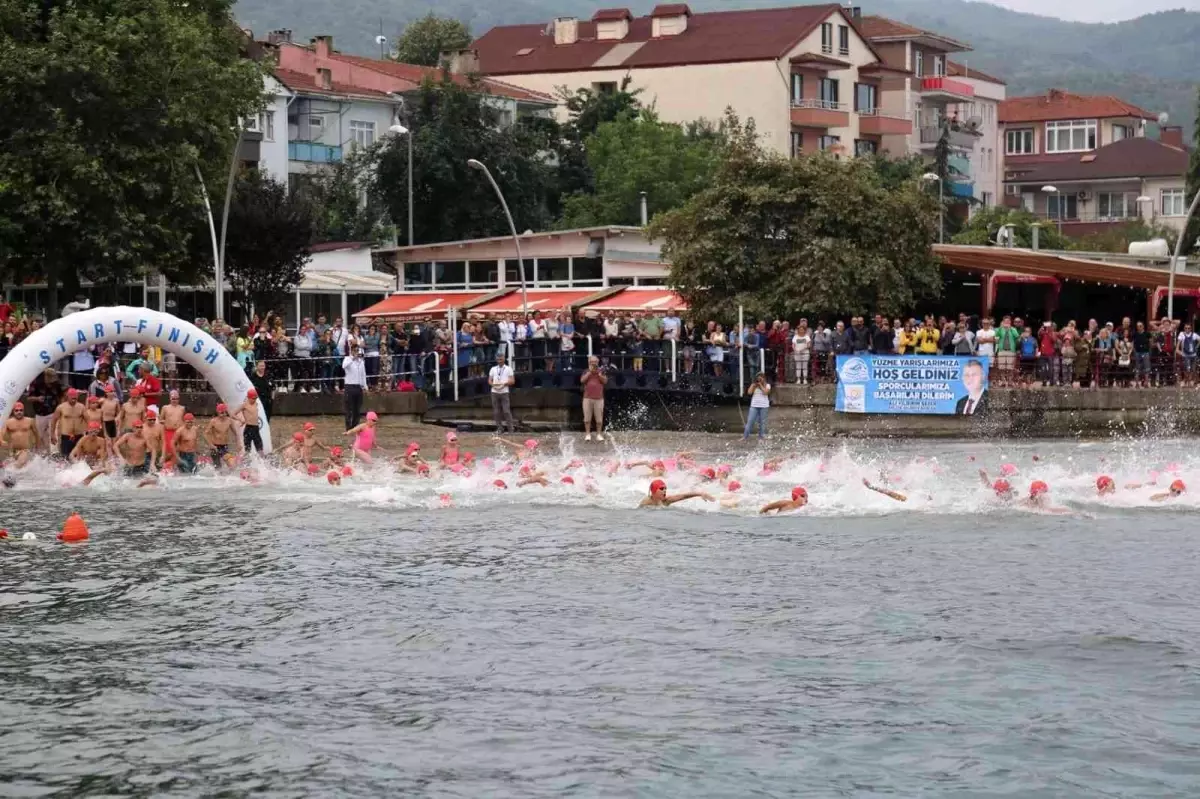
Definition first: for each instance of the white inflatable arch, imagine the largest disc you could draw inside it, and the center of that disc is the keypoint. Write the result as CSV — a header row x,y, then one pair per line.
x,y
82,329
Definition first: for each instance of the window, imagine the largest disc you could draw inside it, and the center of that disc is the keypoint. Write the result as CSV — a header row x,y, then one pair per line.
x,y
826,142
829,92
316,124
986,199
587,269
450,273
797,143
363,133
865,98
939,65
865,147
607,87
1071,136
269,125
826,37
918,63
1120,132
1018,142
1172,202
1012,190
552,270
418,275
252,124
843,40
1116,205
1062,206
797,88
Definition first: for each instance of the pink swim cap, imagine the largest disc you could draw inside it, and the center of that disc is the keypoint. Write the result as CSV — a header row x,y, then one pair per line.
x,y
734,485
451,436
724,469
1007,469
372,416
530,443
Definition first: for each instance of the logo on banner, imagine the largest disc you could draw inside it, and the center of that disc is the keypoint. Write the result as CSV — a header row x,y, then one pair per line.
x,y
10,387
855,370
242,385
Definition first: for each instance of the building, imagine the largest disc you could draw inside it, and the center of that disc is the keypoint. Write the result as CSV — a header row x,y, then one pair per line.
x,y
940,95
1071,139
803,74
333,102
1090,191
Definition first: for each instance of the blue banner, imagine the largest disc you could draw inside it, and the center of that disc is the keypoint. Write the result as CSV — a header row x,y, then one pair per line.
x,y
935,384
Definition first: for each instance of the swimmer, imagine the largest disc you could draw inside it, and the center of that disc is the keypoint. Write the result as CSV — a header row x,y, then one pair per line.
x,y
133,408
293,453
311,442
412,462
110,411
186,439
334,477
659,499
449,455
91,448
20,435
1105,485
1038,499
152,431
1177,489
218,433
67,424
134,452
521,452
335,459
799,500
365,438
172,419
91,413
896,495
658,468
247,415
1003,489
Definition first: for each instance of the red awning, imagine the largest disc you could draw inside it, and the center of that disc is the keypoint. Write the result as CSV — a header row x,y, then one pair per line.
x,y
634,300
544,300
419,305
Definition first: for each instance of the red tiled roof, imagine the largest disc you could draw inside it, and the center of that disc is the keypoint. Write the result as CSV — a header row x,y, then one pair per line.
x,y
415,74
1129,158
957,70
301,82
611,14
875,27
714,37
1058,104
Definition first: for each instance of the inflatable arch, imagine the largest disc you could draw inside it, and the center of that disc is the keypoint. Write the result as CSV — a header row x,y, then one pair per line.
x,y
64,336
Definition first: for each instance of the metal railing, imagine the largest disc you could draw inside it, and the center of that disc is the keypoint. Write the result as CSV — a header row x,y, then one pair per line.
x,y
824,105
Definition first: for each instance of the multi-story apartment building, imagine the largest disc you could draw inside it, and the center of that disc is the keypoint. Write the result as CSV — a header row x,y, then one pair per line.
x,y
804,74
1085,161
940,95
324,103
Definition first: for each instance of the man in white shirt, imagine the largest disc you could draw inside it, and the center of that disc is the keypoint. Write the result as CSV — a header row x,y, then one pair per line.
x,y
356,384
671,324
501,378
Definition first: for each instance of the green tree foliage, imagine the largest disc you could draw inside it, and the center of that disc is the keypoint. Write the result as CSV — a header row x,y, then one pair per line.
x,y
894,173
1117,237
809,234
424,40
451,124
346,201
1193,184
587,110
108,107
270,232
633,154
985,224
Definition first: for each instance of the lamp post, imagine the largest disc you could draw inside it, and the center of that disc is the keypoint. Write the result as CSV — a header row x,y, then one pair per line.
x,y
516,240
1175,258
1057,205
400,130
930,176
219,249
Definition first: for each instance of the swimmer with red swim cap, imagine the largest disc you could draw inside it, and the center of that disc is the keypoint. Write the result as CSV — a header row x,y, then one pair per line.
x,y
1039,498
219,433
1176,489
311,442
412,462
1001,487
20,435
799,500
521,452
1105,485
659,499
293,454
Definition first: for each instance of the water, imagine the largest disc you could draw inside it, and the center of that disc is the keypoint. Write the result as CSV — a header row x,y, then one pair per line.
x,y
294,639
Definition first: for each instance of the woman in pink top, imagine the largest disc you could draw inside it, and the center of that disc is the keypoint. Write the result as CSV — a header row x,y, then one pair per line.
x,y
364,441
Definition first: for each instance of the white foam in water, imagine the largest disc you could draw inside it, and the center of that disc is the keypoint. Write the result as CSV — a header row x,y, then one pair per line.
x,y
937,478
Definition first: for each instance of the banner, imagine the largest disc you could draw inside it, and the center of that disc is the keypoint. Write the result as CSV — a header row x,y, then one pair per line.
x,y
931,384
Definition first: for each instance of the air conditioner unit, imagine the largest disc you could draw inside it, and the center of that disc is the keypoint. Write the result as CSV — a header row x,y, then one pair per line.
x,y
1084,196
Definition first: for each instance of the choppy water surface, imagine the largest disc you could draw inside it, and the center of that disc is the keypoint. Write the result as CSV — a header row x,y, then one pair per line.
x,y
293,639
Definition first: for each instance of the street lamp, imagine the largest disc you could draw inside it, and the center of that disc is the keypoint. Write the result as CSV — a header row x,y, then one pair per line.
x,y
931,176
219,250
516,240
1057,205
1142,200
1175,258
400,130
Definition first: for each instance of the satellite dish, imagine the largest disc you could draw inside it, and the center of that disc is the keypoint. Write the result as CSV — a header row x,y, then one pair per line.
x,y
1163,118
974,121
381,39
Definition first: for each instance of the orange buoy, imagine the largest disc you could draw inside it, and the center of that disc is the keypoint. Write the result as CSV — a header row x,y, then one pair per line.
x,y
74,529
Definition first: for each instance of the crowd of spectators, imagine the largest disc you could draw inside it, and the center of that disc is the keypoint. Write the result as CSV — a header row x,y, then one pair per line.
x,y
406,356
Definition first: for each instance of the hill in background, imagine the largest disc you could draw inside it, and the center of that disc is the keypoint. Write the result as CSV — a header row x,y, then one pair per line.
x,y
1152,61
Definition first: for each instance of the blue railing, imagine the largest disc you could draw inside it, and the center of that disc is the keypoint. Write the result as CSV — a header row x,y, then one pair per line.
x,y
314,152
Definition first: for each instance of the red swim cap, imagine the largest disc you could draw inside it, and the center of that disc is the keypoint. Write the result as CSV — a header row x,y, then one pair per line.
x,y
498,483
333,477
658,466
251,394
347,471
1038,487
799,491
1001,486
568,479
709,473
221,407
1103,481
93,426
658,485
188,417
734,485
336,452
1178,486
309,426
297,436
313,469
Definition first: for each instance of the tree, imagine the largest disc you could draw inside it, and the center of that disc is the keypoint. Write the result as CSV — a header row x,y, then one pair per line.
x,y
633,154
894,173
108,108
809,234
424,40
270,232
587,110
346,202
1116,238
452,123
984,226
1192,233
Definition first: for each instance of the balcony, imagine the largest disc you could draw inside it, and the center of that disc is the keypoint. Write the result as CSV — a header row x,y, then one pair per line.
x,y
961,188
930,133
314,152
946,90
873,122
819,114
